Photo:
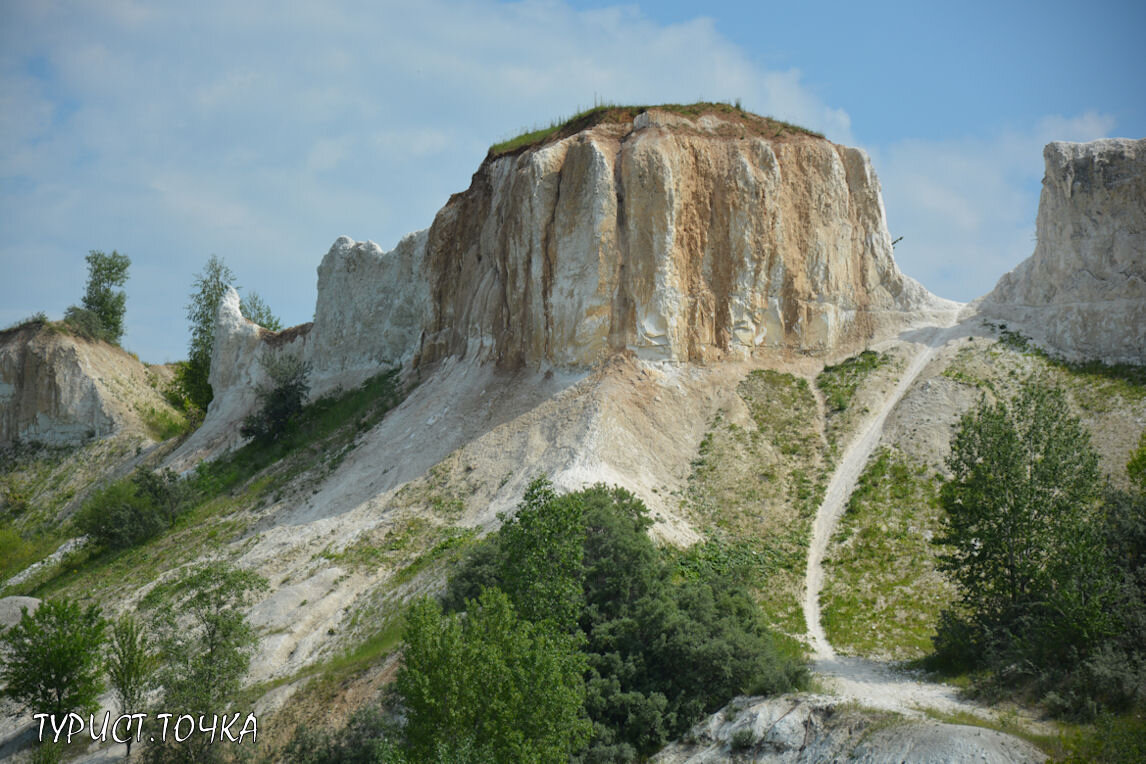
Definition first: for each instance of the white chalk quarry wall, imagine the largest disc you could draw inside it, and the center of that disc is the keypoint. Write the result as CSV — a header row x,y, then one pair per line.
x,y
676,240
1083,291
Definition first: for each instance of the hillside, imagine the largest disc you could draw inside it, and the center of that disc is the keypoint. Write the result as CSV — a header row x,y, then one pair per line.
x,y
700,307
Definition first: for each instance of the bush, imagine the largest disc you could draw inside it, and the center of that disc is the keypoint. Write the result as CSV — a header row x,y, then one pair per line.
x,y
660,652
280,402
84,323
130,511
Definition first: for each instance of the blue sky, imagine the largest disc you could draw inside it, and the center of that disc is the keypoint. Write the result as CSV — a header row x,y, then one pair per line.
x,y
261,131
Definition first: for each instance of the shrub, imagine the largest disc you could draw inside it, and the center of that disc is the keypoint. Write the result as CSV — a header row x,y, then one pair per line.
x,y
51,658
84,323
280,402
130,511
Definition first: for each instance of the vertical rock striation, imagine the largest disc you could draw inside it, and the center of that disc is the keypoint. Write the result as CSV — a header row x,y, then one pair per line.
x,y
676,239
1083,291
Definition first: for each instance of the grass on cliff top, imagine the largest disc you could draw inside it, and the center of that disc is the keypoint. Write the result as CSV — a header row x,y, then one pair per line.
x,y
617,114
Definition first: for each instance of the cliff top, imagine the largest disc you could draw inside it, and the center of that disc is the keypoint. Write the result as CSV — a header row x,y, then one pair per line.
x,y
732,115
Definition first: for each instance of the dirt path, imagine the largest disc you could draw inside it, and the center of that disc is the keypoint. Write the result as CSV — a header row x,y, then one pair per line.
x,y
841,486
871,683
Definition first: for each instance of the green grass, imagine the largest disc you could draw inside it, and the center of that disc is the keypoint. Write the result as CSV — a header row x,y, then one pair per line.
x,y
163,424
840,382
615,113
220,491
882,593
756,489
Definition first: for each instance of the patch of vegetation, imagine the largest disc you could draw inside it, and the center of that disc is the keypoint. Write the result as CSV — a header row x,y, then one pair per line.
x,y
164,424
757,489
1051,575
616,114
882,592
582,565
130,511
1093,386
209,512
839,383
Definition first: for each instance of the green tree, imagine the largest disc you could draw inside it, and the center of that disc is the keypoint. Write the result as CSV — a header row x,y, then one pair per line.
x,y
255,309
541,554
105,272
1018,530
281,400
490,681
51,658
208,289
205,643
130,666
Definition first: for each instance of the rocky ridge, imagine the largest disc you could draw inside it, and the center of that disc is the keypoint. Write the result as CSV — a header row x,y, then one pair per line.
x,y
1082,293
670,238
62,390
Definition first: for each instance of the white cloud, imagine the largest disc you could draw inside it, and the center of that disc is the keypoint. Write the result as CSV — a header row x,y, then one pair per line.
x,y
966,208
261,131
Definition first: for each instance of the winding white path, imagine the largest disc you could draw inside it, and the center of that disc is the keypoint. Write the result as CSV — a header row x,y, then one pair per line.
x,y
871,683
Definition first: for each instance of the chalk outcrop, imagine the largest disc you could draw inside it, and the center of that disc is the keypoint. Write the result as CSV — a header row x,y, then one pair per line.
x,y
683,240
62,390
815,728
1082,293
677,239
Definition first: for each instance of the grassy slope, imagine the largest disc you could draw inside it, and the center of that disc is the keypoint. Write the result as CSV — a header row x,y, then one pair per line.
x,y
756,491
882,593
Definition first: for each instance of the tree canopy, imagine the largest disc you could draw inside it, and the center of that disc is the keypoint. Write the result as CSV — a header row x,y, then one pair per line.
x,y
51,658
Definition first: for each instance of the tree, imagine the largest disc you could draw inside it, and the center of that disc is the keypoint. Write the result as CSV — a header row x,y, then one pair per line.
x,y
254,309
51,658
209,287
130,667
490,680
280,401
206,645
108,305
1017,531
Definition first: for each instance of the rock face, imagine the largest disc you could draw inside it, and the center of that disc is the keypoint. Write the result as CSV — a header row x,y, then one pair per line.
x,y
678,239
815,728
1083,291
63,390
682,240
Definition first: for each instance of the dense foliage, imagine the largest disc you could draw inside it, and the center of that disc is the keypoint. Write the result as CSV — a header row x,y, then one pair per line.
x,y
103,307
280,401
1051,578
51,658
493,682
660,651
130,511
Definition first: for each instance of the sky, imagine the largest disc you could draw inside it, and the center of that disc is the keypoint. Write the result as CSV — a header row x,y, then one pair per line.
x,y
261,131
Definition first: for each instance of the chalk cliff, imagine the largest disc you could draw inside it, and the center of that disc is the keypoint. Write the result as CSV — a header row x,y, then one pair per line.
x,y
63,390
718,237
678,239
1083,291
